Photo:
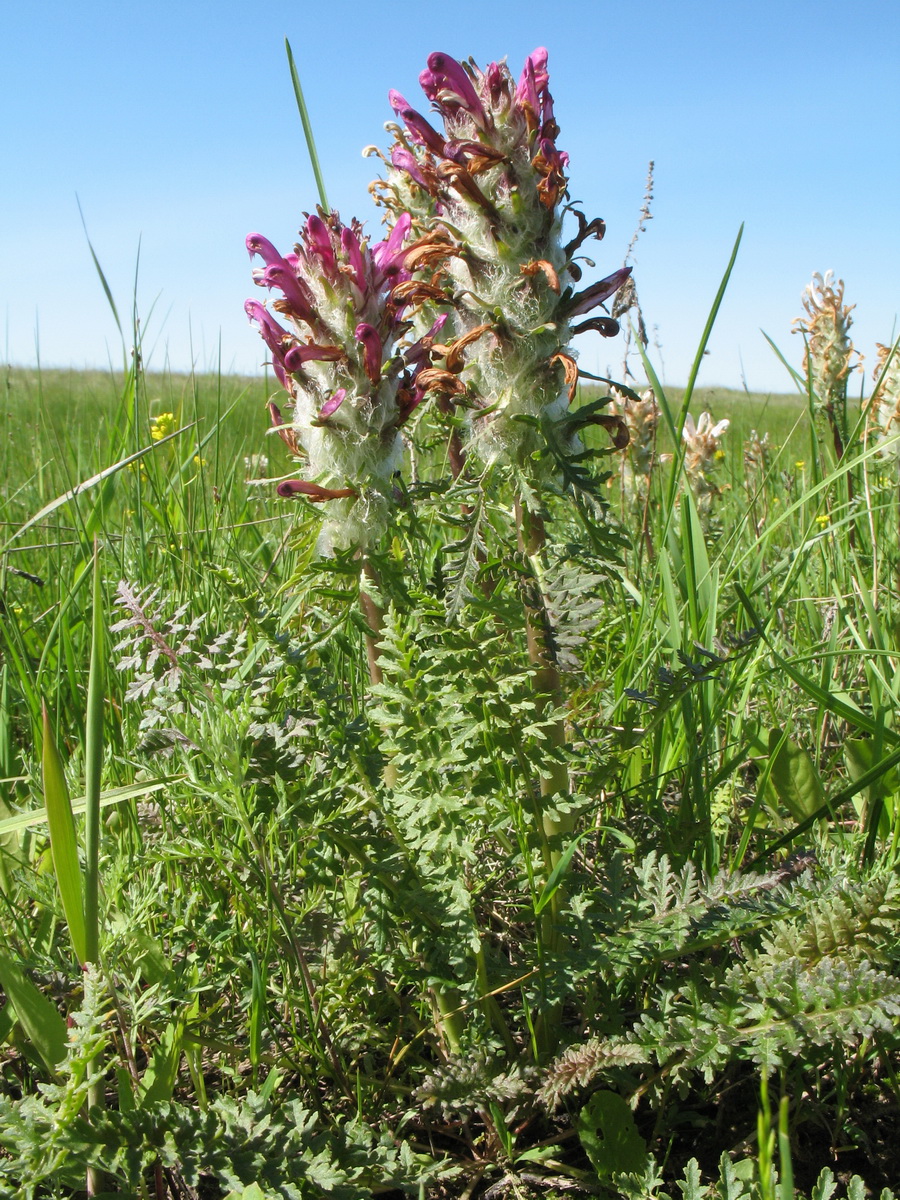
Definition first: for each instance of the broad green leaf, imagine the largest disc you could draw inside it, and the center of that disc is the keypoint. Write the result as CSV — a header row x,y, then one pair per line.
x,y
859,755
63,845
159,1079
38,1017
794,777
150,959
251,1192
610,1137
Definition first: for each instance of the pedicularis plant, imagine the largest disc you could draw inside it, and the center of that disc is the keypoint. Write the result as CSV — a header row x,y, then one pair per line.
x,y
479,852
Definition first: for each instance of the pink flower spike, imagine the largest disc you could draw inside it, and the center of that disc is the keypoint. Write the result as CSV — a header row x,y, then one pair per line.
x,y
373,350
331,406
449,75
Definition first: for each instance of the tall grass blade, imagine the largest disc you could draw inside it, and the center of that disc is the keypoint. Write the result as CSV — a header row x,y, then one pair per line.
x,y
63,844
93,762
106,288
38,816
707,330
307,128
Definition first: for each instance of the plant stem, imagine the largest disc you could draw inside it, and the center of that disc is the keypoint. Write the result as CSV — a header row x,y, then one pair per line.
x,y
547,682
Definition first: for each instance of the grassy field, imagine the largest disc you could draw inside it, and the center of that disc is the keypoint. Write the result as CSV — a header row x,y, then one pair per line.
x,y
343,948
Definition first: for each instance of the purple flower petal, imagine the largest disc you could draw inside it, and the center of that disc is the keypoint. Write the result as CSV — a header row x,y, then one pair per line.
x,y
389,255
353,251
598,292
332,405
419,128
373,350
281,276
418,354
310,352
319,241
257,244
526,92
410,405
429,84
450,76
404,160
495,82
272,333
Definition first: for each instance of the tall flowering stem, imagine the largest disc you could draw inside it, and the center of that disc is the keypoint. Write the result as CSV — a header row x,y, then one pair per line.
x,y
640,414
829,354
353,378
703,456
485,185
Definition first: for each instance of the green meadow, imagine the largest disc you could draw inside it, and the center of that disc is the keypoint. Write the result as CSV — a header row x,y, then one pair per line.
x,y
337,952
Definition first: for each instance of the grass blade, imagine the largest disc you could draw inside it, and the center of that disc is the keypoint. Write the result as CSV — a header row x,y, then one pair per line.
x,y
63,844
307,127
93,762
38,816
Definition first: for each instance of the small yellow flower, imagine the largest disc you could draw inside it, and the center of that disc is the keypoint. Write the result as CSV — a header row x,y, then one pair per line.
x,y
800,464
162,426
823,518
199,462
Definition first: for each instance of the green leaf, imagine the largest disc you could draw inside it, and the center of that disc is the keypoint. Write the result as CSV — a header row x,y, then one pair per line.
x,y
859,755
610,1137
150,959
63,845
555,878
39,1019
794,777
159,1079
251,1192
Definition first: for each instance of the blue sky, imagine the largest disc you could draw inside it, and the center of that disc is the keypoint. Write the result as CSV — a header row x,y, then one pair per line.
x,y
175,125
